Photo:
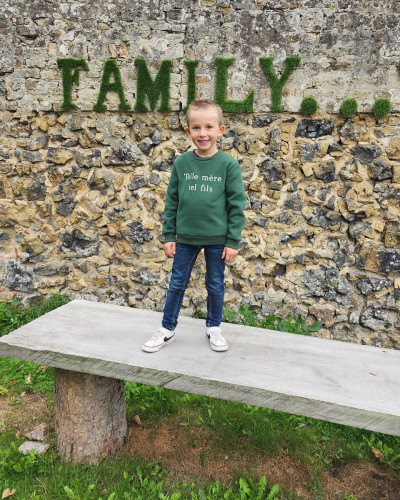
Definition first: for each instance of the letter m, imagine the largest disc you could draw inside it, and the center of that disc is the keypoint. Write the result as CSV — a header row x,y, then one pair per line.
x,y
153,88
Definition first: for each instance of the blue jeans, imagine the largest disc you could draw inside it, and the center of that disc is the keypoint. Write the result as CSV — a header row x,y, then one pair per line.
x,y
184,260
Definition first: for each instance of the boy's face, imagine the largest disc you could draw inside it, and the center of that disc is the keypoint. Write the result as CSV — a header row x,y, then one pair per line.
x,y
204,129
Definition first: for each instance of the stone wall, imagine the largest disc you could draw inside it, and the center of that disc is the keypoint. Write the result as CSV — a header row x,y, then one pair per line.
x,y
82,193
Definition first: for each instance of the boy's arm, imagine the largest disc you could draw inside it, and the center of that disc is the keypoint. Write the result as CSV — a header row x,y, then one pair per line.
x,y
235,201
171,208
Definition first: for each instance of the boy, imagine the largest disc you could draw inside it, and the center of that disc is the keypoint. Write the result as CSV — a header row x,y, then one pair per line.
x,y
203,209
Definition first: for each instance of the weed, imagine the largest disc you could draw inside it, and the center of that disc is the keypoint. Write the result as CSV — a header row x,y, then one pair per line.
x,y
13,315
245,316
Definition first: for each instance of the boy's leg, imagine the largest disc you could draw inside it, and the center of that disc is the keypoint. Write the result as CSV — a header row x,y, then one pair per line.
x,y
215,274
184,260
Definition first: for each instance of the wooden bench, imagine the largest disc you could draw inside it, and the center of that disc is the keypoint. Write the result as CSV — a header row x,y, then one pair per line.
x,y
95,346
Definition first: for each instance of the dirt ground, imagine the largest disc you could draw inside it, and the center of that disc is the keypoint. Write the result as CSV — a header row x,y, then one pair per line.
x,y
191,454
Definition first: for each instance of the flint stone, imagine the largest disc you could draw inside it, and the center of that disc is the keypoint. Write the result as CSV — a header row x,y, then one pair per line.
x,y
293,202
390,193
78,244
357,229
326,283
65,209
288,218
59,155
129,154
389,261
138,182
154,179
37,190
88,158
38,142
31,156
230,140
260,221
18,279
144,277
309,151
350,171
326,172
334,148
146,144
39,448
101,180
75,123
263,121
165,164
366,154
4,236
314,128
323,218
51,269
138,233
380,171
370,286
374,318
323,193
271,169
351,131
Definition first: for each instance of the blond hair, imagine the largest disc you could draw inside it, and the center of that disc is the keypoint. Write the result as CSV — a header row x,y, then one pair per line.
x,y
202,104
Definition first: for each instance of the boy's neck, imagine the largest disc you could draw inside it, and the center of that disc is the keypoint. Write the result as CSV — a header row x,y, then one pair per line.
x,y
208,154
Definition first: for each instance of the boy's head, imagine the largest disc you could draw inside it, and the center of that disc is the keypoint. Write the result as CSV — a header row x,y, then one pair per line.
x,y
205,126
203,104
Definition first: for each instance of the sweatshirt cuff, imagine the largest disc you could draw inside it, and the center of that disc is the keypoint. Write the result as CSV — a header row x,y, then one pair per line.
x,y
169,237
232,243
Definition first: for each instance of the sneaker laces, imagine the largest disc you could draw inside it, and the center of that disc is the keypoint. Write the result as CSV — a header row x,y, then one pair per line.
x,y
216,336
159,336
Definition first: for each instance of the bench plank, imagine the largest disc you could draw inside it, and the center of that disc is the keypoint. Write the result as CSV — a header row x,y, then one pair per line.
x,y
330,380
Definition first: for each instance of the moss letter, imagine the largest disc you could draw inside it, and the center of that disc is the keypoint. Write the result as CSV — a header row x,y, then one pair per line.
x,y
276,83
221,83
110,66
70,75
191,89
153,88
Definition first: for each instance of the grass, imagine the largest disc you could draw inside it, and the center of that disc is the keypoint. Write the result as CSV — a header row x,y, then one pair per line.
x,y
234,427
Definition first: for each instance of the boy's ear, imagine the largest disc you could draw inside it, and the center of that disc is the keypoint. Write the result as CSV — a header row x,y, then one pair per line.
x,y
187,129
221,130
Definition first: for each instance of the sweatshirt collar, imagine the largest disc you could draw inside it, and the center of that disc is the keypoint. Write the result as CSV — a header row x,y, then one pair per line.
x,y
205,158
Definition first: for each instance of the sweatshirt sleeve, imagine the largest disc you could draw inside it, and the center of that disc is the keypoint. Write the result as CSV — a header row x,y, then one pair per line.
x,y
235,204
171,208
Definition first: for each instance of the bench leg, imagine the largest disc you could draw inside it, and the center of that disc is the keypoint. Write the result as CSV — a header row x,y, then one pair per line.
x,y
90,415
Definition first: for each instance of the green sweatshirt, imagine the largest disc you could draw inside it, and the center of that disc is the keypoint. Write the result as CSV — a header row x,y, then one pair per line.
x,y
205,201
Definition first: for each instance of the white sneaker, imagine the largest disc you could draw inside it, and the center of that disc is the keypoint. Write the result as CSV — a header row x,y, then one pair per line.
x,y
158,340
217,341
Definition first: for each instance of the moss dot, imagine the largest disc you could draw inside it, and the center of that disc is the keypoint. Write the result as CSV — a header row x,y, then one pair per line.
x,y
349,107
308,106
382,107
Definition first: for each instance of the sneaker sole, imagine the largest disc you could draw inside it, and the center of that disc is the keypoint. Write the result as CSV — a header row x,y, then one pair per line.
x,y
158,347
217,348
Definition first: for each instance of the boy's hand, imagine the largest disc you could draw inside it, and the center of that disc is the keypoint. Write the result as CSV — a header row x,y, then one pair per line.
x,y
229,254
170,248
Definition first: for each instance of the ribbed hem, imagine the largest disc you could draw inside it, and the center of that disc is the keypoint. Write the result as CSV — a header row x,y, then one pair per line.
x,y
201,240
232,243
169,237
